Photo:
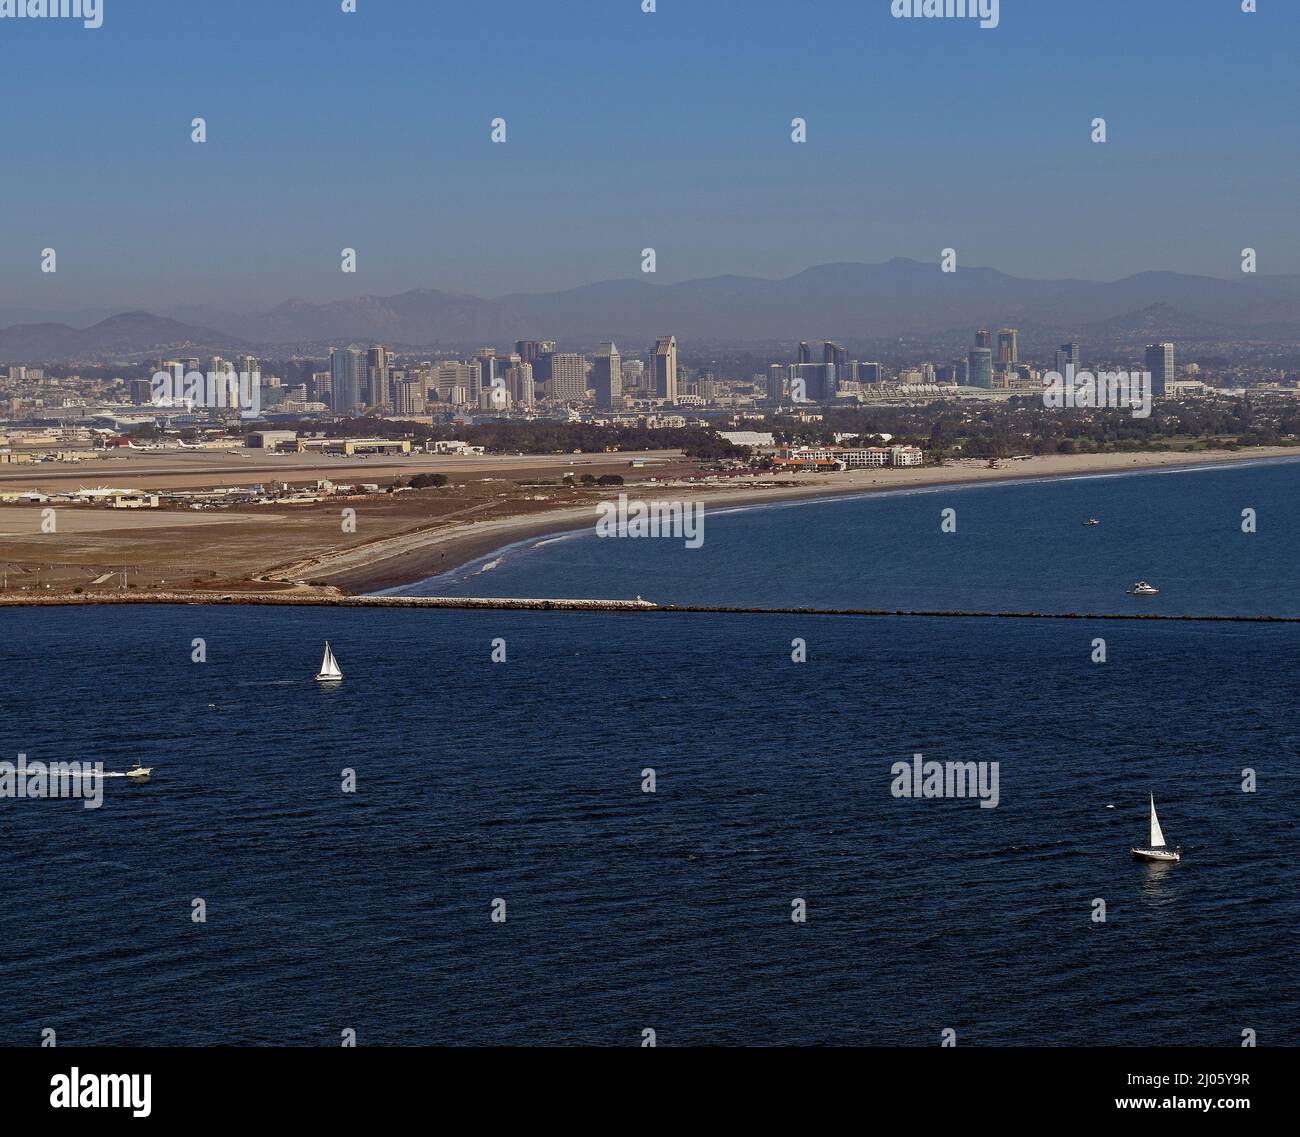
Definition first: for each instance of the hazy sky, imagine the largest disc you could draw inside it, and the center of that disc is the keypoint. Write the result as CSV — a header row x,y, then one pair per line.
x,y
628,130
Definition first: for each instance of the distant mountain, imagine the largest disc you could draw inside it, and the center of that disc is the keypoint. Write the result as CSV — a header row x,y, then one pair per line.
x,y
1153,324
419,318
124,337
836,301
849,302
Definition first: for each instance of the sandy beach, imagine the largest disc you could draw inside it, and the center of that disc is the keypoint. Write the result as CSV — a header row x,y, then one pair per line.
x,y
411,557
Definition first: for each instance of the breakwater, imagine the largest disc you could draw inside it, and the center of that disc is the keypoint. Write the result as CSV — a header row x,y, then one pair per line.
x,y
317,599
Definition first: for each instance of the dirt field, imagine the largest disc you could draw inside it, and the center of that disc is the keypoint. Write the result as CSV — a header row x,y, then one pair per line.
x,y
220,550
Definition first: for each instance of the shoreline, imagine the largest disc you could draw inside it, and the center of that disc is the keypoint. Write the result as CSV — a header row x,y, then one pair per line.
x,y
379,568
408,560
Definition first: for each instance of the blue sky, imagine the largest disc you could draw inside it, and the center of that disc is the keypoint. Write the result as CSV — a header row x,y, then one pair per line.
x,y
628,130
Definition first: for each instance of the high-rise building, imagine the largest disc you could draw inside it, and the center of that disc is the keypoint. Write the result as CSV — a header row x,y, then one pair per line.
x,y
410,396
322,387
1160,362
868,372
487,370
346,367
568,376
663,368
813,382
1066,355
981,367
376,393
983,338
452,376
529,350
837,359
777,384
519,383
805,352
607,378
1008,347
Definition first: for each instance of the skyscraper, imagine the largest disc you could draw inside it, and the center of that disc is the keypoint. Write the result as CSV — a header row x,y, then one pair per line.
x,y
1008,347
607,379
568,376
663,368
983,338
777,384
377,377
805,352
487,371
981,367
346,366
1067,354
1160,362
519,382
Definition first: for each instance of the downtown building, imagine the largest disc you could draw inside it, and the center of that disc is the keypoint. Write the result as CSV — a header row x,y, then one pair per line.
x,y
607,378
980,367
663,368
1160,362
565,376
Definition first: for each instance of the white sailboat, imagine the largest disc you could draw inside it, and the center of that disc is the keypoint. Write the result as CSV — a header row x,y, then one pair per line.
x,y
1157,850
329,667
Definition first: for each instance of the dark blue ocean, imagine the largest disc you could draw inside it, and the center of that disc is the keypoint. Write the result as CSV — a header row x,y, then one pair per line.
x,y
625,910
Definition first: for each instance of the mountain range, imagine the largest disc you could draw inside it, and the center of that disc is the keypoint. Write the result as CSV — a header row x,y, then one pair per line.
x,y
850,302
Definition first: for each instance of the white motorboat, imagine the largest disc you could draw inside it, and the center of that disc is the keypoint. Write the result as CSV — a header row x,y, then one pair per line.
x,y
1157,850
1142,588
329,667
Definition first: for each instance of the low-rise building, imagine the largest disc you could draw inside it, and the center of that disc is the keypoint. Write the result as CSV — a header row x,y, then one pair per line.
x,y
856,457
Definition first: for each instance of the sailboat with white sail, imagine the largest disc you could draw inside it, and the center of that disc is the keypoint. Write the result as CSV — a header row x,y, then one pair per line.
x,y
1157,850
330,672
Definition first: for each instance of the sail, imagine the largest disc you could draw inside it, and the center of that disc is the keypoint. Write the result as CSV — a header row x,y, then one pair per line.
x,y
329,666
1157,837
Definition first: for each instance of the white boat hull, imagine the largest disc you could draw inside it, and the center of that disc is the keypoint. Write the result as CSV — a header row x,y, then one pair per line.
x,y
140,773
1158,854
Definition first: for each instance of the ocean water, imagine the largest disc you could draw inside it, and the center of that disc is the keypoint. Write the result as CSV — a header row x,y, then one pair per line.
x,y
625,910
1017,547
